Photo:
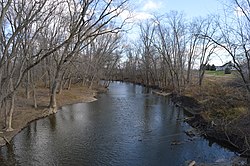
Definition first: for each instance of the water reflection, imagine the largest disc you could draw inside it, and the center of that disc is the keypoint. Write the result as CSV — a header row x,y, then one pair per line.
x,y
52,121
7,156
126,126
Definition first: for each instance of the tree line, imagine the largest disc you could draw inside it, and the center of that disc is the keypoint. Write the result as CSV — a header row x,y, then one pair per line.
x,y
55,43
171,51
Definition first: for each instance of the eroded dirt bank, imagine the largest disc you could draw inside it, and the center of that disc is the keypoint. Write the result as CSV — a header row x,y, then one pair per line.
x,y
25,112
233,134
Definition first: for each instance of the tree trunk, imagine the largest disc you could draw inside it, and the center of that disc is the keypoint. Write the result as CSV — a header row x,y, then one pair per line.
x,y
53,104
45,80
10,115
201,77
33,87
61,84
189,69
5,113
92,81
34,95
60,87
12,104
27,88
69,83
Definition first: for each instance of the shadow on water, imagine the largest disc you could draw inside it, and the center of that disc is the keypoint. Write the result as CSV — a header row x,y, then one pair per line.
x,y
52,121
7,156
125,126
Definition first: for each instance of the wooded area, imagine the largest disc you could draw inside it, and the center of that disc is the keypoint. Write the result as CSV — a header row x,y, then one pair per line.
x,y
172,52
54,44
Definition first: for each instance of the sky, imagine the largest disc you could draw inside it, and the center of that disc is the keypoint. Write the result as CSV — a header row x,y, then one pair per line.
x,y
146,9
191,8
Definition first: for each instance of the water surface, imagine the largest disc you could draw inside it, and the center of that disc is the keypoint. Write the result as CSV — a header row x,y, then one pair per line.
x,y
126,126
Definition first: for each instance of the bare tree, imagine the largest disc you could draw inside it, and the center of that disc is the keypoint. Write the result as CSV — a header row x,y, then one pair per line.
x,y
234,38
147,31
85,27
206,27
172,48
17,18
49,32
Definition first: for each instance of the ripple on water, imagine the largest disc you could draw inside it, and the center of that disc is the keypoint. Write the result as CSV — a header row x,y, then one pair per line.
x,y
126,126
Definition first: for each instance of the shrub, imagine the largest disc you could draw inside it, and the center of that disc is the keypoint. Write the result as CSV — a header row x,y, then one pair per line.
x,y
212,68
227,71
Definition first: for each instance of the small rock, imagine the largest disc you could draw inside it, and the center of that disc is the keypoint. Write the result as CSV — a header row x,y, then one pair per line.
x,y
220,160
2,140
190,133
192,163
175,143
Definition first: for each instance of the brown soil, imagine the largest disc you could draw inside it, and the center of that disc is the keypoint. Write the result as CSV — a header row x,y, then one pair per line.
x,y
188,103
220,111
25,112
232,136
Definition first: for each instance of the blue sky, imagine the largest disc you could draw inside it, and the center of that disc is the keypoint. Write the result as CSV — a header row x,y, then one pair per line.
x,y
146,9
191,8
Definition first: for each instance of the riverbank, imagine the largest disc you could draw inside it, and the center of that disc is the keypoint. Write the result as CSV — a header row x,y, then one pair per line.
x,y
25,112
220,112
233,134
219,108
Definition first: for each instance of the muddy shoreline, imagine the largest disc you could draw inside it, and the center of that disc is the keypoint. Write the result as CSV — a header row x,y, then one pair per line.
x,y
25,113
234,139
231,139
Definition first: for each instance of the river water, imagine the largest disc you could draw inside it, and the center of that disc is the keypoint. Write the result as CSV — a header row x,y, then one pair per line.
x,y
128,125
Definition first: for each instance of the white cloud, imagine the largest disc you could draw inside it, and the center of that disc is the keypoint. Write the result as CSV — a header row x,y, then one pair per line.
x,y
150,5
143,10
142,15
125,14
238,12
135,16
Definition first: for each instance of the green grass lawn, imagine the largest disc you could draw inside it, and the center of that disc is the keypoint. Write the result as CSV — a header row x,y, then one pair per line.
x,y
216,73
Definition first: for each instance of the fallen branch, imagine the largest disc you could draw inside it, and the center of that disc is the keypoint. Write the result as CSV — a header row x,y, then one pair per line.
x,y
6,140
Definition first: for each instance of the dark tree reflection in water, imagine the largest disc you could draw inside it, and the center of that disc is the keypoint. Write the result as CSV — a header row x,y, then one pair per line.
x,y
128,125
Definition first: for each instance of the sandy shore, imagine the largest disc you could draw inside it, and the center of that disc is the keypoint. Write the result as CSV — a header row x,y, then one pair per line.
x,y
25,112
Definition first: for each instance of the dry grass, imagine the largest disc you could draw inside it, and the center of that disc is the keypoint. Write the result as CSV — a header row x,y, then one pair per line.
x,y
226,107
219,98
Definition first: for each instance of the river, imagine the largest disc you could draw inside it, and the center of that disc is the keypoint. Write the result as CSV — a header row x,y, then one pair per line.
x,y
128,125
